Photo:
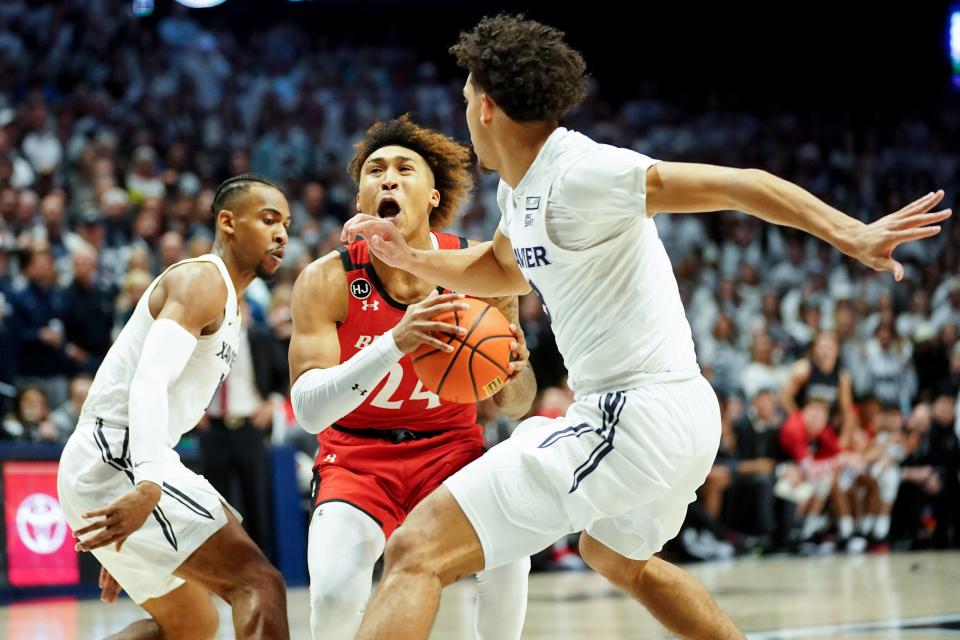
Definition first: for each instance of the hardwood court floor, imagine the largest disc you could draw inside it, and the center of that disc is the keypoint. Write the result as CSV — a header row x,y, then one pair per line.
x,y
911,596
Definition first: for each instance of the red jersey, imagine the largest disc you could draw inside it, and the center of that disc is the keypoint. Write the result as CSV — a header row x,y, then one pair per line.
x,y
400,401
796,442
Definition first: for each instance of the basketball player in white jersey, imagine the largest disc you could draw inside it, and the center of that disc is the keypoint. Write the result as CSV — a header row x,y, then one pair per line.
x,y
162,532
576,227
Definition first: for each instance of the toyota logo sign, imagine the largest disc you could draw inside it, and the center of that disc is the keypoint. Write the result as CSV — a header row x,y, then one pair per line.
x,y
41,523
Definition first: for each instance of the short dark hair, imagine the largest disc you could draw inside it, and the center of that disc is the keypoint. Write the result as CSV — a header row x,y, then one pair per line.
x,y
525,66
448,160
235,186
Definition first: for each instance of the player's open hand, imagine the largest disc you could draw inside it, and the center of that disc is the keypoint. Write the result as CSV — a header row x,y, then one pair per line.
x,y
109,587
419,327
116,522
875,242
383,238
520,355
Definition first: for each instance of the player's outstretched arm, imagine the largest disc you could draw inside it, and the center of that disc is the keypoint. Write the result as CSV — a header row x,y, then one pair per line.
x,y
187,299
323,389
485,270
687,188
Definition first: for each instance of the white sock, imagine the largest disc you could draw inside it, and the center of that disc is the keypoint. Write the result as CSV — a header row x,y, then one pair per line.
x,y
882,527
810,526
845,527
865,524
502,601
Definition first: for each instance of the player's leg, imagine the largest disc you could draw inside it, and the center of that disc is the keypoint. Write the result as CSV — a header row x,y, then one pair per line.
x,y
502,601
672,595
231,565
186,612
501,604
343,547
436,546
490,513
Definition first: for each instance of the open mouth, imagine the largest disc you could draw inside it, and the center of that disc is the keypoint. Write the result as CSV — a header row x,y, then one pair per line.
x,y
388,209
277,255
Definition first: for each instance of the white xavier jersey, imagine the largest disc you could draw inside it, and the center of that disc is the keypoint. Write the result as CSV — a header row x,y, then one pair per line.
x,y
190,395
604,276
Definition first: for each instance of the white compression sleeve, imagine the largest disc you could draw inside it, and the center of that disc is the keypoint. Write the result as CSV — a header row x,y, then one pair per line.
x,y
342,549
322,396
502,601
165,353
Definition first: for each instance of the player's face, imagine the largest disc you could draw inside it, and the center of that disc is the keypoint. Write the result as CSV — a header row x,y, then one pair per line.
x,y
396,184
261,219
479,135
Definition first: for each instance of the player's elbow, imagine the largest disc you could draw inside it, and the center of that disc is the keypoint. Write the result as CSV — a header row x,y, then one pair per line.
x,y
304,403
515,407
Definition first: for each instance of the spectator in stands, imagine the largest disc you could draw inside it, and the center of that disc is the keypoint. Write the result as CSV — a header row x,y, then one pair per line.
x,y
30,422
88,313
38,316
65,416
821,375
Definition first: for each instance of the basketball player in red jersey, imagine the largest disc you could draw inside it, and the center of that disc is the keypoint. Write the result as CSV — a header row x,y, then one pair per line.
x,y
386,441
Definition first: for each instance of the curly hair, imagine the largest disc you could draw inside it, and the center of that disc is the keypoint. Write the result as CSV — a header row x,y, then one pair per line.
x,y
525,66
448,160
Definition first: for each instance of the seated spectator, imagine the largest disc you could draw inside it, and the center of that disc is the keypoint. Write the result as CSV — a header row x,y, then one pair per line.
x,y
751,504
65,416
815,449
30,421
38,315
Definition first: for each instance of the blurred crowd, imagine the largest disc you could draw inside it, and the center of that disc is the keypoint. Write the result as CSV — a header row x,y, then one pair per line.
x,y
838,386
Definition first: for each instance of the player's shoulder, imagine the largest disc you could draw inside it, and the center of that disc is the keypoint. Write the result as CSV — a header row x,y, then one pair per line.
x,y
324,276
598,172
320,291
195,280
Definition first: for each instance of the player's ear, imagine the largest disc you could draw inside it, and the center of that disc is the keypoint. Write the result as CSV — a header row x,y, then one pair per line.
x,y
487,107
434,199
226,220
359,210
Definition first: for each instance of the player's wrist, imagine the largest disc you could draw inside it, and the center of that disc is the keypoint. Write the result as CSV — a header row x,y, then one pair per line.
x,y
412,260
148,473
387,345
149,490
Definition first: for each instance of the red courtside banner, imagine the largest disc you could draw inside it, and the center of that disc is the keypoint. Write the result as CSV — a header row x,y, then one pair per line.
x,y
39,542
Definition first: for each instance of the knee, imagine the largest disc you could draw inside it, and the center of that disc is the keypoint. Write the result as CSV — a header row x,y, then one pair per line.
x,y
270,580
619,570
405,553
338,600
261,579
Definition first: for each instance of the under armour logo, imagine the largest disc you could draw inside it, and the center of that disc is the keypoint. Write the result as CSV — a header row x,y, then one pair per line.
x,y
357,386
330,457
375,305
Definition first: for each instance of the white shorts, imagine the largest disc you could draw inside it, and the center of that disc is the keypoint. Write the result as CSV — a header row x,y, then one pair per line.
x,y
622,466
95,470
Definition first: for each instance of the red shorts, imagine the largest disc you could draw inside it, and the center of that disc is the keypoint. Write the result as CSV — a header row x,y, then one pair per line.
x,y
384,479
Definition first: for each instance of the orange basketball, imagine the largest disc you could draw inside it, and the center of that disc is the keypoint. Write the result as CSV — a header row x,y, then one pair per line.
x,y
479,362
